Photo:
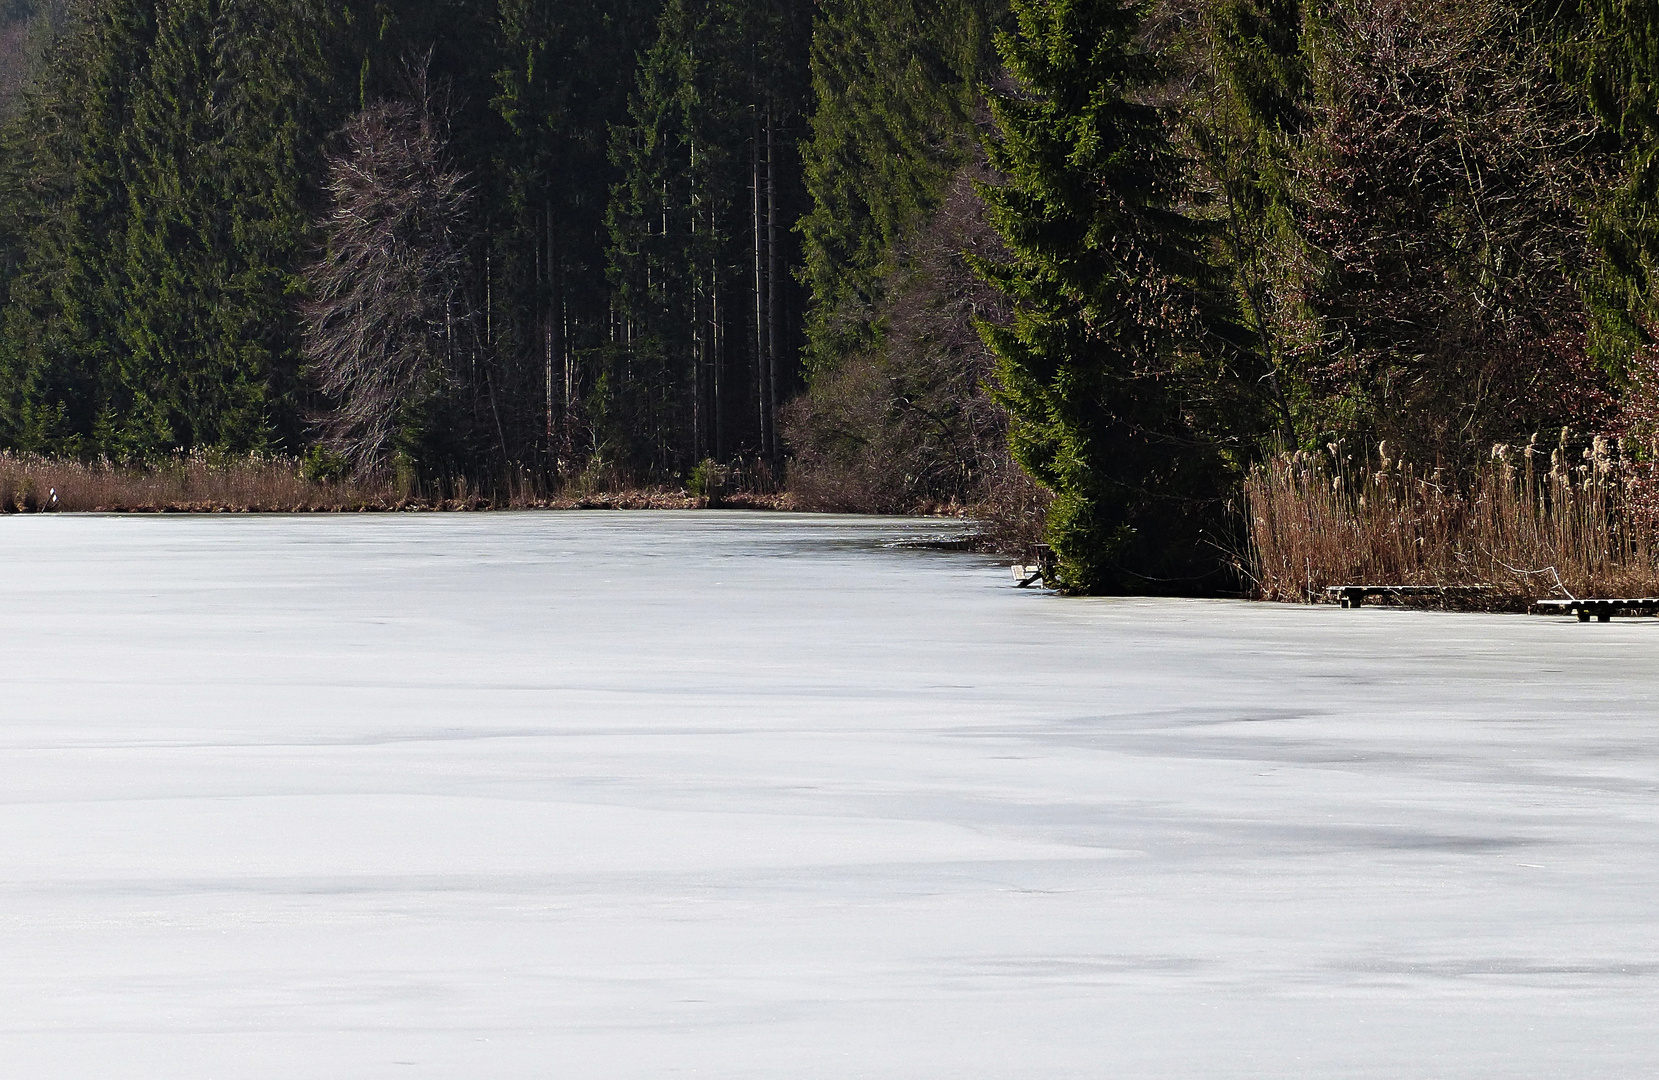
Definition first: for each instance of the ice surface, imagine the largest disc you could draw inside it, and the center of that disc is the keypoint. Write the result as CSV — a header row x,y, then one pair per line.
x,y
599,795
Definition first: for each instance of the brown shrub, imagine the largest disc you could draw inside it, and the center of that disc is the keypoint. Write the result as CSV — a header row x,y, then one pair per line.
x,y
911,427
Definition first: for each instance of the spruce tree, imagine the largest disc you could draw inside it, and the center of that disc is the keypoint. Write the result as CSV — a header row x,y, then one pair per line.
x,y
1244,118
171,161
564,83
1617,60
279,93
179,393
895,87
658,258
65,302
224,148
1114,367
698,232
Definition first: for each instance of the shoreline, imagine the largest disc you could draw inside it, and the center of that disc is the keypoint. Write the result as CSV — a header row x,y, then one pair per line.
x,y
647,499
631,499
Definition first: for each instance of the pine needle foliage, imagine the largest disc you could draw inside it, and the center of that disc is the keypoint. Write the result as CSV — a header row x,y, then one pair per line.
x,y
1617,61
896,92
1114,368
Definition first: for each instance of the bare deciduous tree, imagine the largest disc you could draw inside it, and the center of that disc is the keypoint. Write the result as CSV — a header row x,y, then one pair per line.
x,y
1441,183
387,307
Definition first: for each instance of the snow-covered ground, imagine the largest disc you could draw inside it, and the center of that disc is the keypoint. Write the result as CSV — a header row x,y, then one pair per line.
x,y
729,795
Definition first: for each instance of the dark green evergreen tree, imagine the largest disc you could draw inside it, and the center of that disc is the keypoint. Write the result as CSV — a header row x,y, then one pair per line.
x,y
699,226
224,149
895,87
152,304
1117,368
564,84
1617,59
279,93
178,391
70,217
651,384
1244,117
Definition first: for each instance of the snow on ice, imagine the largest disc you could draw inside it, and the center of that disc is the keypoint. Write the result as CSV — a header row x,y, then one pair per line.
x,y
600,795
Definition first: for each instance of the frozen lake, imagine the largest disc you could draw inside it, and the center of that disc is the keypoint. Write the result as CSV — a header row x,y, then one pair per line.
x,y
638,795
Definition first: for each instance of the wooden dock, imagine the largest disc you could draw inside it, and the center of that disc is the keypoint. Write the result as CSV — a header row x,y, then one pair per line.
x,y
1353,596
1603,609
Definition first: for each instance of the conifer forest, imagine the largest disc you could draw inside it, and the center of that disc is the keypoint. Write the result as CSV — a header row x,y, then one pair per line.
x,y
1081,267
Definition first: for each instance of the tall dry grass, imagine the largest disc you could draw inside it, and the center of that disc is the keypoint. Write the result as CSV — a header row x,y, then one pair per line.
x,y
198,483
1531,522
192,483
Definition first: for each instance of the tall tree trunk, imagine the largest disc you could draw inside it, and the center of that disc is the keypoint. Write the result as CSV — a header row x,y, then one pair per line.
x,y
717,413
774,309
764,417
715,350
548,330
567,358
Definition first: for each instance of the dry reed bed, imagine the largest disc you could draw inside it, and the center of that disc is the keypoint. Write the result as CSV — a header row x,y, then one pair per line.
x,y
1529,523
648,498
198,484
187,484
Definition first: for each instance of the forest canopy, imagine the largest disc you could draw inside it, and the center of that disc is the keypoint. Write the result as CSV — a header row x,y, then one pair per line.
x,y
1073,264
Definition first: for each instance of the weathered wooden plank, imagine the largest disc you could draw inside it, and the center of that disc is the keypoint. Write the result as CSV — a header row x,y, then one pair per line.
x,y
1355,595
1602,607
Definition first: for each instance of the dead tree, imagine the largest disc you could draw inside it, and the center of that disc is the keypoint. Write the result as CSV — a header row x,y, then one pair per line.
x,y
387,308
